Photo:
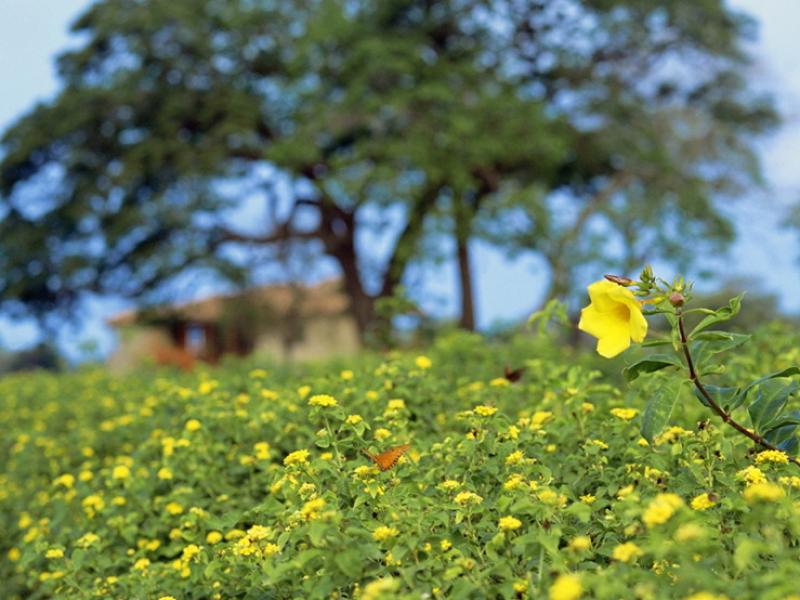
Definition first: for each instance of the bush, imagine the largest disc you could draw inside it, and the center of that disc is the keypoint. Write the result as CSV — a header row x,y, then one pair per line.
x,y
243,483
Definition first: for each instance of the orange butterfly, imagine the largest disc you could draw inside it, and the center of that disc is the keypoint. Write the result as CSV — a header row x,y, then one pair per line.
x,y
386,460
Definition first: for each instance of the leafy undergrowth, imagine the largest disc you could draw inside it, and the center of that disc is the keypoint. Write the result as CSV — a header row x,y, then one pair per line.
x,y
245,483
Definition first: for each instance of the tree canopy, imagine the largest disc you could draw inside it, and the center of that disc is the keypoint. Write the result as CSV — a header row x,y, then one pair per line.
x,y
582,130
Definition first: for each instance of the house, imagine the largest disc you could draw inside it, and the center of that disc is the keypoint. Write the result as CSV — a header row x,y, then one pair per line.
x,y
286,322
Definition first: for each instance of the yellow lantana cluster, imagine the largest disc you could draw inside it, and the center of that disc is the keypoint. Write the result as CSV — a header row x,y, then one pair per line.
x,y
322,400
661,509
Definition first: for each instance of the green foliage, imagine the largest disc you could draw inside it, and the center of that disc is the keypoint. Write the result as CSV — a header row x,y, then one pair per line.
x,y
191,485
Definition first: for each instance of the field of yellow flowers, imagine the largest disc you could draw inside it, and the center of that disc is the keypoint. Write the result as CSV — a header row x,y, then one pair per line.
x,y
251,481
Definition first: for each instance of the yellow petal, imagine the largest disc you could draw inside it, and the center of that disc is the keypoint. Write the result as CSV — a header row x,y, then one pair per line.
x,y
612,344
638,325
612,331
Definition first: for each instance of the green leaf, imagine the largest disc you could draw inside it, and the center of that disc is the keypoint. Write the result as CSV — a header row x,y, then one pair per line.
x,y
651,364
742,395
659,408
724,396
349,562
725,313
770,401
720,341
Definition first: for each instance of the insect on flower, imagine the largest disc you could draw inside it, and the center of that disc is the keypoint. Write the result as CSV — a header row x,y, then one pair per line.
x,y
387,459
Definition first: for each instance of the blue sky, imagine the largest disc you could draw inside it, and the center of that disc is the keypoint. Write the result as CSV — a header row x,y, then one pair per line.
x,y
33,32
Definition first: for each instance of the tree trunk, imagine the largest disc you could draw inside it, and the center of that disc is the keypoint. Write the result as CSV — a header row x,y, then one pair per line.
x,y
463,214
467,320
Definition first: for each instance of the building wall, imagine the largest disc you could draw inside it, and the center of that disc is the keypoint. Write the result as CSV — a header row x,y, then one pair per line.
x,y
323,337
139,345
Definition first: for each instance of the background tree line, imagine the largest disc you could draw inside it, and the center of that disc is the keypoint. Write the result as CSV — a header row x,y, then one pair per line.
x,y
587,132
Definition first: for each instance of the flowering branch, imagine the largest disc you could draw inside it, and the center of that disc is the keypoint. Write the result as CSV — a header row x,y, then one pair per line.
x,y
695,378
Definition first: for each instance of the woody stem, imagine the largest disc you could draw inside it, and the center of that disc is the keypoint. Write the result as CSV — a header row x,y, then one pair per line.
x,y
695,378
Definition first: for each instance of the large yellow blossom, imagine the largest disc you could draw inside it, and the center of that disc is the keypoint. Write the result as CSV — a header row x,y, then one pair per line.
x,y
614,317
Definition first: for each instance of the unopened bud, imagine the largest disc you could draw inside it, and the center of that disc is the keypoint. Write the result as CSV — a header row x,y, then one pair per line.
x,y
647,275
676,299
620,280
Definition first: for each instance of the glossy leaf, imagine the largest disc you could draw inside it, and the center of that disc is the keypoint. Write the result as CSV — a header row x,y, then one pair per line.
x,y
651,364
659,408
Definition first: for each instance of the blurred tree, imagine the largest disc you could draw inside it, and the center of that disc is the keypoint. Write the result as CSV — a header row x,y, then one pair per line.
x,y
662,118
551,126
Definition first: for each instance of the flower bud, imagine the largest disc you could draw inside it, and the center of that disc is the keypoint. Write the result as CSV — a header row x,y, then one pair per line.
x,y
620,280
676,299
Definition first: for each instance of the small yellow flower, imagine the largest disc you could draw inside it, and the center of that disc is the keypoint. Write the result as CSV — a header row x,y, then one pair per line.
x,y
396,404
423,362
515,457
270,549
14,554
566,587
141,564
174,508
661,509
520,585
706,596
509,523
164,473
626,414
310,510
298,457
587,407
382,434
767,492
54,553
614,317
167,598
347,375
772,456
303,391
514,482
587,498
672,434
353,419
485,411
702,502
213,537
87,539
65,480
323,400
261,450
752,475
580,543
499,382
539,418
791,481
625,492
190,551
626,552
445,545
383,533
450,484
192,425
465,498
